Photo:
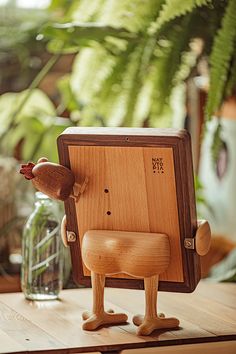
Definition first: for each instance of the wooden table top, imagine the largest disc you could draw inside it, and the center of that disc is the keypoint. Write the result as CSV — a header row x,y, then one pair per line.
x,y
207,315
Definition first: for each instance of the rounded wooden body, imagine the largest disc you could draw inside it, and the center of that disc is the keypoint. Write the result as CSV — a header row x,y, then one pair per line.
x,y
137,254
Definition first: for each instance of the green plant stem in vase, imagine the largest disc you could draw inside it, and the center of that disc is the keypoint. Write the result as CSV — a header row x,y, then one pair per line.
x,y
41,277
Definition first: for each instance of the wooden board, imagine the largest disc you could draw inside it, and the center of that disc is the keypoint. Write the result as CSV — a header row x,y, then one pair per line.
x,y
139,180
206,316
210,348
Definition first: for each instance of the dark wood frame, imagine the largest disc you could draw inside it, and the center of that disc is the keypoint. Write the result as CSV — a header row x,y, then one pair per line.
x,y
180,142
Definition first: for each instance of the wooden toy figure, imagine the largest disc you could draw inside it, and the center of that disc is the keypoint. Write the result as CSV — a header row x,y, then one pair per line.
x,y
130,215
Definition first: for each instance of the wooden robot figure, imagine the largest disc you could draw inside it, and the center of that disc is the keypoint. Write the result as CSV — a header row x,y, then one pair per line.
x,y
130,215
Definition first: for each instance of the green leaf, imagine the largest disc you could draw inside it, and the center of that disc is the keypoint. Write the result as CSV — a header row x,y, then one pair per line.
x,y
169,57
38,104
225,271
137,73
60,4
172,9
133,15
119,92
90,70
67,96
221,58
37,125
37,272
217,144
69,37
48,143
7,104
231,84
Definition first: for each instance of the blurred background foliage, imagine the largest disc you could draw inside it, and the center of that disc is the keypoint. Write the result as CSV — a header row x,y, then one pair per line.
x,y
130,59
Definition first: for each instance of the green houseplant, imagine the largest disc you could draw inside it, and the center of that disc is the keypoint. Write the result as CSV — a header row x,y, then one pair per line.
x,y
137,52
133,54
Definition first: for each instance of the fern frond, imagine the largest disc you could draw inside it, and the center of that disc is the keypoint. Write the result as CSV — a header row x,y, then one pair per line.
x,y
130,87
109,102
167,66
217,143
221,57
120,93
140,72
134,15
118,106
172,9
91,67
81,12
84,34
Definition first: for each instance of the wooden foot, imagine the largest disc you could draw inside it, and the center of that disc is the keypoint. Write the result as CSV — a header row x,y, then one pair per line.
x,y
151,321
100,317
147,326
105,318
87,314
138,319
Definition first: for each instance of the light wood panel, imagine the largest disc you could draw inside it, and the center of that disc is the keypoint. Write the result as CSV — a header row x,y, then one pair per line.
x,y
179,143
138,254
205,316
220,294
22,330
121,131
198,315
209,348
9,345
139,195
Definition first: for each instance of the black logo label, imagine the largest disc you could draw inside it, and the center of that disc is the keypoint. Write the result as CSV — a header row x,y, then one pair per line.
x,y
157,165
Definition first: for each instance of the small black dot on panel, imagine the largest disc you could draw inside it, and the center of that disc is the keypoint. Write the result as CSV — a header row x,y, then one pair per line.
x,y
106,190
108,212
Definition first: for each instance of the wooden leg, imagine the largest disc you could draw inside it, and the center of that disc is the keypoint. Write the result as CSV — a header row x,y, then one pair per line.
x,y
99,316
151,321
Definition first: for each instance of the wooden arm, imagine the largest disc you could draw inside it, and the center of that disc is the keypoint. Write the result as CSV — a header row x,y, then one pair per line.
x,y
203,237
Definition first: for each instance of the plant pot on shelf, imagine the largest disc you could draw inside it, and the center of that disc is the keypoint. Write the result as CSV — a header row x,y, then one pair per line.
x,y
217,170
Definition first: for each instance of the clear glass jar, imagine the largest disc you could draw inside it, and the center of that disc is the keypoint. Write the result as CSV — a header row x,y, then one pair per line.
x,y
41,271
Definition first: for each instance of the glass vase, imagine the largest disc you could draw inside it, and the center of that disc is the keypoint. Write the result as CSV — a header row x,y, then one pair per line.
x,y
41,272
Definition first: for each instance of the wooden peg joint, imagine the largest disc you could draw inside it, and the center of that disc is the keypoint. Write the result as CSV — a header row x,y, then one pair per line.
x,y
202,241
79,189
67,236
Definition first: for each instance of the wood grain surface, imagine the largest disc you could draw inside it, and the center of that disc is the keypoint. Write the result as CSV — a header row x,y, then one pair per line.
x,y
144,204
125,194
208,315
200,348
138,254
